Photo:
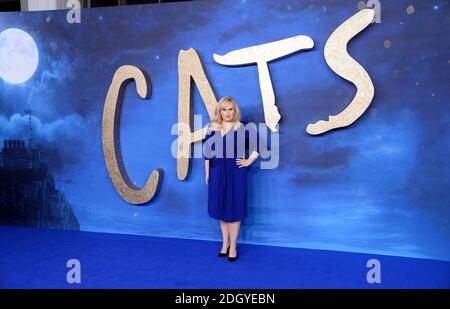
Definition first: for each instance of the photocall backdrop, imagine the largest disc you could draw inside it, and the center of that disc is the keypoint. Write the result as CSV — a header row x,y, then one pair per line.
x,y
379,185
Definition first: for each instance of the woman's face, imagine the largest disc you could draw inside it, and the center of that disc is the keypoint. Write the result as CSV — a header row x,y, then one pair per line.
x,y
227,112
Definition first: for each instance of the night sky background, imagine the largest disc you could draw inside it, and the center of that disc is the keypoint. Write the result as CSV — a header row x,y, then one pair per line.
x,y
379,186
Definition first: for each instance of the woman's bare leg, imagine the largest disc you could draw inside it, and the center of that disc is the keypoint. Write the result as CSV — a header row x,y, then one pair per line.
x,y
234,233
225,227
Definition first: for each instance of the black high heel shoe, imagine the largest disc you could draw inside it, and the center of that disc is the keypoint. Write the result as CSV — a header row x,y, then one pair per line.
x,y
232,259
224,254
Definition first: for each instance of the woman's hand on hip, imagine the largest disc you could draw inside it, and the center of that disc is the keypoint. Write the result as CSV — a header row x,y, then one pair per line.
x,y
243,162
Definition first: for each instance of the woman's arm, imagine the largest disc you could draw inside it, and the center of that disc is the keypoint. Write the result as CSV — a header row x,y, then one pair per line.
x,y
206,171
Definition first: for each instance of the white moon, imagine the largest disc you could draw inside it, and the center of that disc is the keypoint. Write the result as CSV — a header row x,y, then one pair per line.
x,y
19,56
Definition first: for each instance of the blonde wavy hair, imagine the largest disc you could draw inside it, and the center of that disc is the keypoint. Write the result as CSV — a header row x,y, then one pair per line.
x,y
216,123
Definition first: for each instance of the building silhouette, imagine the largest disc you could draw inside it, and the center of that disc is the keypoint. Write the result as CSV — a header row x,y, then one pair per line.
x,y
28,195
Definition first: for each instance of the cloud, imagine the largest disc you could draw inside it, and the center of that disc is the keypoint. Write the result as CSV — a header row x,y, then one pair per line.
x,y
60,139
302,179
331,158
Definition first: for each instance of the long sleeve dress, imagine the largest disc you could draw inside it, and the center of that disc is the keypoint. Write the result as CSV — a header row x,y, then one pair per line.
x,y
227,184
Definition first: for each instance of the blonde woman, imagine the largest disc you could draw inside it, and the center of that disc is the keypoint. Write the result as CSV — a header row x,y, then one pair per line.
x,y
226,173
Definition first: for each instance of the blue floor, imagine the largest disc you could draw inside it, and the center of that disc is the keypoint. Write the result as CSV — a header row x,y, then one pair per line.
x,y
36,258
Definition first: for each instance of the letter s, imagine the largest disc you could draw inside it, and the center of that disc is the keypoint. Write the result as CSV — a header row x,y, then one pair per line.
x,y
344,65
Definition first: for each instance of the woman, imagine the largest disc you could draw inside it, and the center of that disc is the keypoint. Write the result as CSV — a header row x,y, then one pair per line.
x,y
226,172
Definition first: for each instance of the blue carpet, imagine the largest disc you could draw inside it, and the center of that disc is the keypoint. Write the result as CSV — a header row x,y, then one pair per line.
x,y
36,258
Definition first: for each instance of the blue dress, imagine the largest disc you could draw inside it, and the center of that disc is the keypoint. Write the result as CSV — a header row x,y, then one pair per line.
x,y
227,183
